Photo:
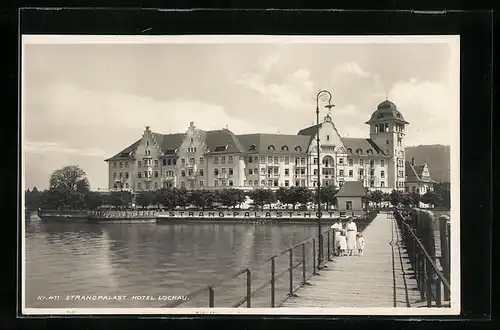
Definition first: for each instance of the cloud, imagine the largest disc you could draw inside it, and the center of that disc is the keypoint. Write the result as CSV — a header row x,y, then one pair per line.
x,y
57,148
354,68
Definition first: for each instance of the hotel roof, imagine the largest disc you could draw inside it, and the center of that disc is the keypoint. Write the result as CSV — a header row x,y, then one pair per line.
x,y
414,173
274,143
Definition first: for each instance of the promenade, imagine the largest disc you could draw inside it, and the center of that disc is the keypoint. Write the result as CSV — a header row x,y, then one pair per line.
x,y
378,278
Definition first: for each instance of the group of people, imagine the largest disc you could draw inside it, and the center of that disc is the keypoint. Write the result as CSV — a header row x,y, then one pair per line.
x,y
347,240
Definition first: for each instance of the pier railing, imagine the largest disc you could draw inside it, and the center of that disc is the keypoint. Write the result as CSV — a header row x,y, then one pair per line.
x,y
293,267
432,272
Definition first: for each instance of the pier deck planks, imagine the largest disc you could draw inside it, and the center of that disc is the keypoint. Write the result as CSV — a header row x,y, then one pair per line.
x,y
364,281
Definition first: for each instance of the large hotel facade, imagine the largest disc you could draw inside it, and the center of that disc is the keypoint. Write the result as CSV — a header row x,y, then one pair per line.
x,y
199,159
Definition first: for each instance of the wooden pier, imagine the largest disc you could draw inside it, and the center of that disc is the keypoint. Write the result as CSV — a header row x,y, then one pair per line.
x,y
381,277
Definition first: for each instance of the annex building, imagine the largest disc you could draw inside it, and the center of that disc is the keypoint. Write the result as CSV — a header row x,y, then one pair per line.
x,y
198,159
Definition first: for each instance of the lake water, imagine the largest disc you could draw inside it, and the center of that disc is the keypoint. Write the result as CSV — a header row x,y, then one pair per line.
x,y
64,259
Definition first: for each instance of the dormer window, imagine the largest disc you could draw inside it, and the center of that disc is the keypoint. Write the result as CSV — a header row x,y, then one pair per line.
x,y
252,147
284,148
270,148
359,151
298,148
220,148
349,150
369,151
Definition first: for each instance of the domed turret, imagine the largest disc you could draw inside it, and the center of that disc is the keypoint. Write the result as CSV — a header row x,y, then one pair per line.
x,y
386,111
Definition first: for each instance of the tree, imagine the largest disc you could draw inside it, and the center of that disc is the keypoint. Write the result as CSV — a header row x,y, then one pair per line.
x,y
415,199
406,200
261,196
376,197
328,195
70,178
299,195
198,198
443,190
32,199
283,195
93,200
119,199
396,198
144,198
431,198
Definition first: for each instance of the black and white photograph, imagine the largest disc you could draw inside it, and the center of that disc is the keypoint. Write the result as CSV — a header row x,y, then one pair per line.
x,y
240,174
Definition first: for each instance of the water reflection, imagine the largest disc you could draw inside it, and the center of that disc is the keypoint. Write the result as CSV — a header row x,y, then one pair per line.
x,y
135,259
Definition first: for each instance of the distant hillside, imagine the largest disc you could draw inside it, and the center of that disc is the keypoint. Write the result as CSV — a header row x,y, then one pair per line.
x,y
437,157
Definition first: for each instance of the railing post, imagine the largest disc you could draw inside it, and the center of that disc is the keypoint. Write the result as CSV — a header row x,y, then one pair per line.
x,y
249,288
438,292
315,272
445,252
303,263
328,244
211,296
291,273
428,282
421,275
273,271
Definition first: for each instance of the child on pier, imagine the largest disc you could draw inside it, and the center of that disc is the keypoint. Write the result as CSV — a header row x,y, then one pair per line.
x,y
342,244
360,242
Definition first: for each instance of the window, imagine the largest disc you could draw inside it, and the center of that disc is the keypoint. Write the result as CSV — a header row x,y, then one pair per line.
x,y
328,137
263,171
284,148
361,162
164,162
387,142
275,183
216,183
399,142
139,164
287,183
298,149
200,171
372,162
372,172
270,160
201,160
139,186
270,148
382,184
126,175
350,161
223,170
230,183
216,160
201,183
341,172
183,162
276,171
250,159
382,174
114,176
382,162
361,171
126,164
126,185
341,160
216,171
139,175
183,173
287,172
297,183
190,172
372,183
183,184
114,164
262,183
287,160
350,173
348,205
401,174
230,171
302,171
156,185
252,147
256,183
223,159
250,171
407,189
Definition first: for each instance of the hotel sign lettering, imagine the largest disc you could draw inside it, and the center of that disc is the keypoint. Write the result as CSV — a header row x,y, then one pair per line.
x,y
246,214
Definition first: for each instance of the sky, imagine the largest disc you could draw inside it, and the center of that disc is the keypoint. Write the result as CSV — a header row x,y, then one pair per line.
x,y
82,103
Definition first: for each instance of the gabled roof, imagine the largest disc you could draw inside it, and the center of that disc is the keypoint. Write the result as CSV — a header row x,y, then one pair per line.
x,y
125,153
223,138
414,173
364,144
352,189
280,142
169,141
309,131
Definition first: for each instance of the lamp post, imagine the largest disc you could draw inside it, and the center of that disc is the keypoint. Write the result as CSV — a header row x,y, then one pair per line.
x,y
323,96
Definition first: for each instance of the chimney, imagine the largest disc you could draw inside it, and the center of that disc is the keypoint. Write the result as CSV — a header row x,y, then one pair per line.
x,y
147,128
191,124
413,162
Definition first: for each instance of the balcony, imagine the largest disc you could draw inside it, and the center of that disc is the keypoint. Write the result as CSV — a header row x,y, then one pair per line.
x,y
222,176
149,179
193,166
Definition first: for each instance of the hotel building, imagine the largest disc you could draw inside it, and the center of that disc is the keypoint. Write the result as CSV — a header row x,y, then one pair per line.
x,y
219,158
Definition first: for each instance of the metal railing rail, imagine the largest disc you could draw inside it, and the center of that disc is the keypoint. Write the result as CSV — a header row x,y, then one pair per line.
x,y
430,278
272,281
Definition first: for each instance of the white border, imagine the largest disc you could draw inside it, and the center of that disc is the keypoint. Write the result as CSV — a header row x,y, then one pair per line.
x,y
452,41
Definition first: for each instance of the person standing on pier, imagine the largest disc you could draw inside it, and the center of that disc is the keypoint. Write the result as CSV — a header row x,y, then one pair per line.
x,y
351,231
337,229
360,244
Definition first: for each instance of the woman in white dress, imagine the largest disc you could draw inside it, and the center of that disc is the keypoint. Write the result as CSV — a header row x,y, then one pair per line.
x,y
337,229
351,231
